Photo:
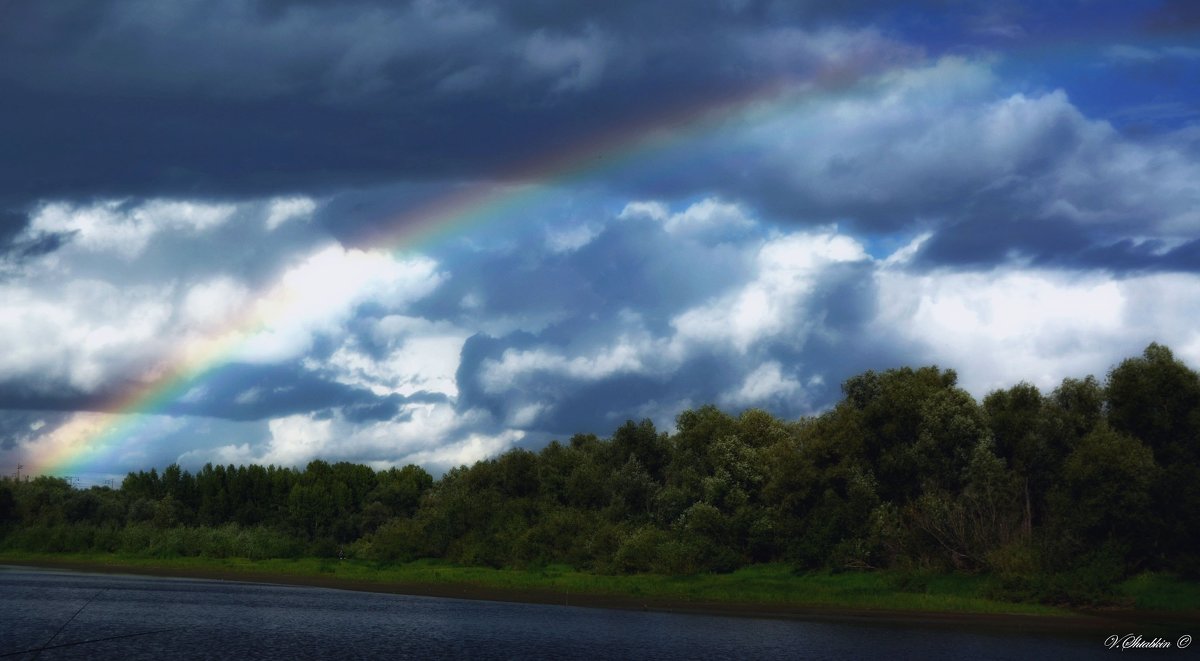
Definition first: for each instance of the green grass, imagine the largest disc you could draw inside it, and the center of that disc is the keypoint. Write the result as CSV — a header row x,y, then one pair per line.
x,y
763,585
1154,591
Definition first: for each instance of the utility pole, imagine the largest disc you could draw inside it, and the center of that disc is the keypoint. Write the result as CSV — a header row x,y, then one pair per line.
x,y
19,467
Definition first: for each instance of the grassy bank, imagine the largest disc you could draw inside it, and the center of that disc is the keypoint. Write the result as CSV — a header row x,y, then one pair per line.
x,y
762,585
757,590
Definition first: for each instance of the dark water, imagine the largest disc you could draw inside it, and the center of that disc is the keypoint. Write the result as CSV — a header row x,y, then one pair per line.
x,y
91,616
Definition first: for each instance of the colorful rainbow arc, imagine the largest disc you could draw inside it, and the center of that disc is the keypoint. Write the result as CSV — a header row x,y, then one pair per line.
x,y
87,439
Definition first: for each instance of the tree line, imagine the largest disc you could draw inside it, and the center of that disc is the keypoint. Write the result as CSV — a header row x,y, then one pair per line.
x,y
1059,494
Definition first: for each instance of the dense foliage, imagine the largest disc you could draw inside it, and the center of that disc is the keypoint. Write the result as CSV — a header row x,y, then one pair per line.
x,y
1058,494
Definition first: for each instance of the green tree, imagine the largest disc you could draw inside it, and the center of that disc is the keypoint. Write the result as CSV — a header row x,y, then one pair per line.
x,y
1156,399
8,506
399,490
641,441
911,420
968,526
952,426
1073,410
1104,496
1017,421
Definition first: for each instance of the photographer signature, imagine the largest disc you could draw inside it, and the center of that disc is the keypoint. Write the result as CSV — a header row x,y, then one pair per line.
x,y
1134,641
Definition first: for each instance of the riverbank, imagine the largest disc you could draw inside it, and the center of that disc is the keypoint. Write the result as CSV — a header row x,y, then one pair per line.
x,y
768,591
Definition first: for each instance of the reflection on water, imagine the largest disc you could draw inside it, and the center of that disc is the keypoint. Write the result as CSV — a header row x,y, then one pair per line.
x,y
90,616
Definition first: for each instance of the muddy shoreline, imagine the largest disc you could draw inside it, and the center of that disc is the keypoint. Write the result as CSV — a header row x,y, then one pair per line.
x,y
1080,622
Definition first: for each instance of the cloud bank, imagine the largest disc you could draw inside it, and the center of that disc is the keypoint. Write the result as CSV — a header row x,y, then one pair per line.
x,y
199,188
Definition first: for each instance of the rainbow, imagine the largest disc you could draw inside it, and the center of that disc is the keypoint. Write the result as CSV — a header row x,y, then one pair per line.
x,y
88,440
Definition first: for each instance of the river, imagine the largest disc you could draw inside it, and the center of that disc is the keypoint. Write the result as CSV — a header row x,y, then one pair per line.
x,y
52,614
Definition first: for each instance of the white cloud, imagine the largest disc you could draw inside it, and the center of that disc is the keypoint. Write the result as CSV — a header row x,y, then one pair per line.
x,y
80,334
765,383
417,355
894,151
466,451
320,293
770,305
996,327
645,209
905,253
432,435
708,218
1002,327
214,301
570,239
297,439
890,152
77,323
526,415
285,209
626,355
112,226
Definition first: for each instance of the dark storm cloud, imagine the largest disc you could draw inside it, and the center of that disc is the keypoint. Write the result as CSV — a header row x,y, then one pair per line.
x,y
354,216
249,392
11,224
705,377
1149,255
238,98
19,426
42,244
255,392
22,248
600,407
235,97
236,392
590,406
477,348
1041,181
632,266
576,314
118,146
32,395
982,241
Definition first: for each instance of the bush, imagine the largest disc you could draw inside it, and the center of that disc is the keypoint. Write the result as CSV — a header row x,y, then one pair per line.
x,y
52,538
261,543
398,540
1014,559
639,551
694,554
1091,582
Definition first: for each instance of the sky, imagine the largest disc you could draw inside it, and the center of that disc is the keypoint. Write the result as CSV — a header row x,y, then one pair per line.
x,y
272,231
